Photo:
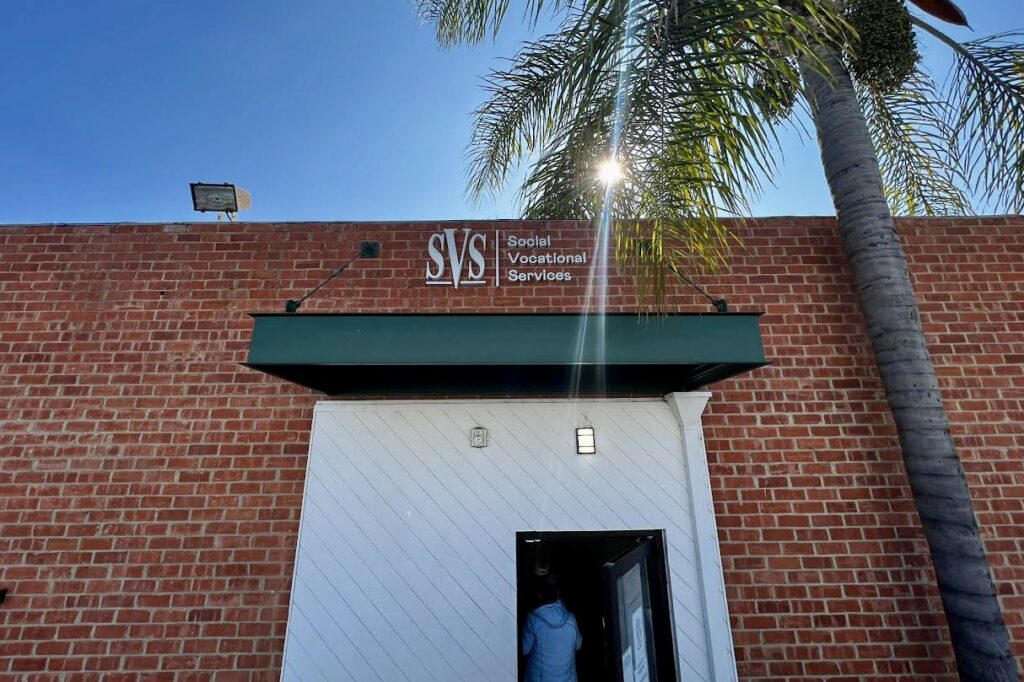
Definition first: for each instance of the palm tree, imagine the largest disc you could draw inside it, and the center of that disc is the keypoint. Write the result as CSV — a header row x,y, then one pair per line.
x,y
687,96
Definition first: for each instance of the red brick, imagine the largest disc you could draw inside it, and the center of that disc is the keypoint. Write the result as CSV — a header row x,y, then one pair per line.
x,y
150,485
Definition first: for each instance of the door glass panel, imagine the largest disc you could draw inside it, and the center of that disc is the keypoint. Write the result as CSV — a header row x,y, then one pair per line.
x,y
634,623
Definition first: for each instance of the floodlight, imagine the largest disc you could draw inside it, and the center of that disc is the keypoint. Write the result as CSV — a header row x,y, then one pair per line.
x,y
222,198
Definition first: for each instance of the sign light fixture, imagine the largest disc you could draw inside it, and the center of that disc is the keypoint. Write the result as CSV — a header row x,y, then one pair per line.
x,y
585,444
366,250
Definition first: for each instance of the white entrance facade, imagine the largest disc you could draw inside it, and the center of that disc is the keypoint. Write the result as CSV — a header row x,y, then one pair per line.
x,y
406,560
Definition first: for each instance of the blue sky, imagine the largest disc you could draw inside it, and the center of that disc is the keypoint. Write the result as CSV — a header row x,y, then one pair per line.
x,y
322,109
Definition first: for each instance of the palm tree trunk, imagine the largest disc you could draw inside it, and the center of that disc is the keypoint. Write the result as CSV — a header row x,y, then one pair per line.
x,y
979,636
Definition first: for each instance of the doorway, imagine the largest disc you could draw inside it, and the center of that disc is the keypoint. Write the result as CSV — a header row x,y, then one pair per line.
x,y
616,585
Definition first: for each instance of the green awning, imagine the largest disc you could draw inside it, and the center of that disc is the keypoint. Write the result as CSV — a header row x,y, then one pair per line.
x,y
405,354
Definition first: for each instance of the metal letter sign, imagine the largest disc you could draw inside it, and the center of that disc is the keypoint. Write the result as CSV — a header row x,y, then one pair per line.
x,y
458,256
465,260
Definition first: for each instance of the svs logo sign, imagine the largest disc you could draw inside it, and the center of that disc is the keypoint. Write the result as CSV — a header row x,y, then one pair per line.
x,y
456,259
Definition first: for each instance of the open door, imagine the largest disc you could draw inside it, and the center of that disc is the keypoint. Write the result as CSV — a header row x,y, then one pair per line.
x,y
629,623
593,571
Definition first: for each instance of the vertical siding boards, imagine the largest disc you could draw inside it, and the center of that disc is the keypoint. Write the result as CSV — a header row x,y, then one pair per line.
x,y
150,486
400,483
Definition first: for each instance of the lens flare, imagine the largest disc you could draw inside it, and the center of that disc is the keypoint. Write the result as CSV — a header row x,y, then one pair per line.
x,y
610,172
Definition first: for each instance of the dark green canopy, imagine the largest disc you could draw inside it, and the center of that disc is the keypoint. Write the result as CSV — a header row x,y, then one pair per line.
x,y
403,354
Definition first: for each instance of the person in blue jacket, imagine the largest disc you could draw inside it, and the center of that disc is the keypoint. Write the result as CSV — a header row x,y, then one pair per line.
x,y
551,638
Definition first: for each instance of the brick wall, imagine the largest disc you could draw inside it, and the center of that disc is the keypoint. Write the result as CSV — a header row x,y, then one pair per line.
x,y
150,486
827,570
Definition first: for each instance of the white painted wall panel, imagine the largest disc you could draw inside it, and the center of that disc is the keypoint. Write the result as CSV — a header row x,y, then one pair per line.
x,y
406,561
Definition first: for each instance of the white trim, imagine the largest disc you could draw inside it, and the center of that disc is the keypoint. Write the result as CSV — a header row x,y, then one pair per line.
x,y
688,408
298,540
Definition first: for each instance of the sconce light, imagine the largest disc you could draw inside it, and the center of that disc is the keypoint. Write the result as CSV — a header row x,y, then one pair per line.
x,y
585,444
478,437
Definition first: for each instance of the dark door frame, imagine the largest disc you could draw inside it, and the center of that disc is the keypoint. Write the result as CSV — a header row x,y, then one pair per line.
x,y
662,619
638,556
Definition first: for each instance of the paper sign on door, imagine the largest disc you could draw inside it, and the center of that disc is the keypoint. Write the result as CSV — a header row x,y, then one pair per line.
x,y
640,672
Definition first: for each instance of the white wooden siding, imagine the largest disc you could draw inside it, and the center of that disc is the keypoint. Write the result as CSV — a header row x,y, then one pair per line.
x,y
405,568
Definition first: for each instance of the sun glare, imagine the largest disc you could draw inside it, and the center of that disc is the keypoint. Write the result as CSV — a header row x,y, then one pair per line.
x,y
610,172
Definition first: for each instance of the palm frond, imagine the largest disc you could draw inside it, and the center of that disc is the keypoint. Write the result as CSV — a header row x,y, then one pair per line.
x,y
987,98
470,21
681,89
547,80
917,148
985,92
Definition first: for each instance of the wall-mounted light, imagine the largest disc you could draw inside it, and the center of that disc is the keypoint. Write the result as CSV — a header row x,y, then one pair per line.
x,y
585,444
478,437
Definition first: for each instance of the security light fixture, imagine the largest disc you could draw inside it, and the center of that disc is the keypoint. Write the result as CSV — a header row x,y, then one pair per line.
x,y
369,250
585,444
219,198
